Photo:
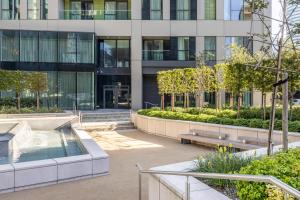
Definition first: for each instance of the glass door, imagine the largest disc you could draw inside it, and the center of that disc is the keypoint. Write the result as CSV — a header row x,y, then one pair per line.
x,y
117,97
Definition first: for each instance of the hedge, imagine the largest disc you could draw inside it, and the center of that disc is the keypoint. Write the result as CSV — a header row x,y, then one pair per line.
x,y
13,110
294,126
284,166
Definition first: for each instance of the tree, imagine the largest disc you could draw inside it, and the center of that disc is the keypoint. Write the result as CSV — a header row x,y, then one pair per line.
x,y
218,82
4,80
204,78
37,83
190,84
236,77
263,80
18,83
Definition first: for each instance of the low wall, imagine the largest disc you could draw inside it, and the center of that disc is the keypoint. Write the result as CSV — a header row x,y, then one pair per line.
x,y
173,128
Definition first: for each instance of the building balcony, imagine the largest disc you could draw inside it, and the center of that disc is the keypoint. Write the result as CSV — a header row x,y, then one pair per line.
x,y
95,15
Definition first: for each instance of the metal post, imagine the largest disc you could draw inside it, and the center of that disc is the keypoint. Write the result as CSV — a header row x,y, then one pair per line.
x,y
285,112
187,188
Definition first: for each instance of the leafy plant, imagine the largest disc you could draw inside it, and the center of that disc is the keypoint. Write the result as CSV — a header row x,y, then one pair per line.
x,y
284,166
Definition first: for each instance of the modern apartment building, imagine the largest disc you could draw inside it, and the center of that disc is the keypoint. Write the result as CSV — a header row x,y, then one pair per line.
x,y
293,11
106,53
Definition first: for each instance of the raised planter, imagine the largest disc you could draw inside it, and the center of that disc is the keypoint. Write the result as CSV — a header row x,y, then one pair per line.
x,y
173,128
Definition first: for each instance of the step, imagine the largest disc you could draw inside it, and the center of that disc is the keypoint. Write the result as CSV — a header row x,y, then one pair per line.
x,y
109,126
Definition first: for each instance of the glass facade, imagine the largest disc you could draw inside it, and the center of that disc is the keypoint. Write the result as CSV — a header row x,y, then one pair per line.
x,y
210,49
34,46
155,9
183,48
183,9
37,9
10,9
237,10
114,53
241,41
210,9
153,49
116,10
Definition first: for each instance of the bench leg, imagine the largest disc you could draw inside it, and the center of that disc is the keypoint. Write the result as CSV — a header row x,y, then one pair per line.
x,y
185,141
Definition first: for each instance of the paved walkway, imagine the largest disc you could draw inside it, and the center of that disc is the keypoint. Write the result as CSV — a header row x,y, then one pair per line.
x,y
125,149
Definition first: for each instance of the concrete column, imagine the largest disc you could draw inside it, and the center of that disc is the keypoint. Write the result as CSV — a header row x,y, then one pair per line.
x,y
166,9
55,8
136,9
23,9
200,9
220,9
199,45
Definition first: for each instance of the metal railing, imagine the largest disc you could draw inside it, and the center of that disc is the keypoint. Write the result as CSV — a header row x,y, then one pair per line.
x,y
234,177
150,105
95,14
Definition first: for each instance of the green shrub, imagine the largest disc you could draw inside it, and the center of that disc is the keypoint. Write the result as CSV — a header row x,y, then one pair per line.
x,y
284,166
294,126
14,110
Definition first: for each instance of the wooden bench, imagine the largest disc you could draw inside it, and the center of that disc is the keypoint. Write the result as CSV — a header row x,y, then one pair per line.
x,y
214,138
256,141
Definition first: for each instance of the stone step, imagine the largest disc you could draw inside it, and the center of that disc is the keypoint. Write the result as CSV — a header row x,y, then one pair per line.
x,y
109,126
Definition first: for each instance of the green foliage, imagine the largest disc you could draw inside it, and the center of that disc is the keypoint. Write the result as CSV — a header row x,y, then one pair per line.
x,y
223,161
225,117
284,166
14,110
10,102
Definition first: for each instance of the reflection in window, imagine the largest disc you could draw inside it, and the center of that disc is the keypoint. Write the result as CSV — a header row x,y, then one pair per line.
x,y
210,49
242,41
10,9
155,10
48,47
33,9
67,90
183,48
236,10
29,46
116,53
10,46
85,48
183,10
210,9
85,90
116,10
67,47
153,49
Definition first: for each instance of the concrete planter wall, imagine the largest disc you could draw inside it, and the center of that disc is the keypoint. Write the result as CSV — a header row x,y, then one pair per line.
x,y
173,128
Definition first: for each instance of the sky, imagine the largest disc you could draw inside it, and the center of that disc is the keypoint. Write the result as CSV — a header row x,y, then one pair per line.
x,y
276,13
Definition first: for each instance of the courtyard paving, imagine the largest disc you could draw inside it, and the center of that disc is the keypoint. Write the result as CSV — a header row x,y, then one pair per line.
x,y
125,148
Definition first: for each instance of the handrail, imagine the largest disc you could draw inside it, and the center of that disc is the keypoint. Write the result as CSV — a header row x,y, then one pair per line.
x,y
149,103
236,177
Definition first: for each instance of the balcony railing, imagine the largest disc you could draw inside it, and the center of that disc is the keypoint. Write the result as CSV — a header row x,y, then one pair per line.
x,y
95,14
161,55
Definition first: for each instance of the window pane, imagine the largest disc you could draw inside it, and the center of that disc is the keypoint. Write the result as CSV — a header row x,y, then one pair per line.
x,y
110,10
44,12
210,9
109,53
123,53
210,48
33,9
183,9
85,48
10,9
122,11
155,7
67,47
227,10
66,90
49,98
183,48
85,90
29,46
48,47
10,46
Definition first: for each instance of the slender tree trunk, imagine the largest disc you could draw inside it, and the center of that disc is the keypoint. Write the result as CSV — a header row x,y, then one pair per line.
x,y
18,101
239,105
162,103
172,101
188,101
264,106
200,99
38,100
291,106
231,104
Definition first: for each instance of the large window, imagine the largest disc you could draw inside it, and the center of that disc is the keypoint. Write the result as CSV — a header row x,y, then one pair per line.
x,y
210,49
155,9
153,50
10,46
67,47
115,53
48,47
85,90
10,9
183,48
242,41
29,46
236,10
182,9
210,9
85,48
116,10
33,9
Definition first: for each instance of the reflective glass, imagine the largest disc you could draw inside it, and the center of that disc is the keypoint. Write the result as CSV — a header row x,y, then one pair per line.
x,y
48,47
10,46
67,47
110,53
85,48
29,46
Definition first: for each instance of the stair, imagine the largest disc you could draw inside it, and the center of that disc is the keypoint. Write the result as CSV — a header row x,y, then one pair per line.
x,y
107,121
